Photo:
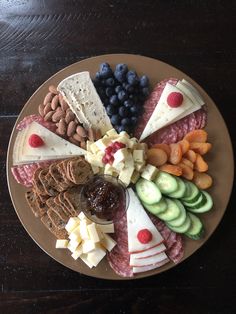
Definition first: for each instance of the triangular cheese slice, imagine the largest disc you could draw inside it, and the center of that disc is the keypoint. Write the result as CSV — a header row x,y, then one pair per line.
x,y
194,91
79,92
187,91
163,114
138,219
54,146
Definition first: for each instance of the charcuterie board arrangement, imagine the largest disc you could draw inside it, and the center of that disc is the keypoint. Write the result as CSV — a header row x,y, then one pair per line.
x,y
115,165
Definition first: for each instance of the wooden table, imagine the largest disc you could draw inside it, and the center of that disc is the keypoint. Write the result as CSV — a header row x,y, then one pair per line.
x,y
38,38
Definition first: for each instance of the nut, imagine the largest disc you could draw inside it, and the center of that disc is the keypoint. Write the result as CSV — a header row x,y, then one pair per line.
x,y
57,116
81,131
98,134
77,137
72,140
53,89
63,103
62,127
47,108
48,98
91,134
70,116
55,102
41,110
48,116
71,128
83,144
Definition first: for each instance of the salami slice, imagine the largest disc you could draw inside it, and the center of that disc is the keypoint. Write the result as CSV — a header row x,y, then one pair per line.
x,y
37,118
174,132
24,173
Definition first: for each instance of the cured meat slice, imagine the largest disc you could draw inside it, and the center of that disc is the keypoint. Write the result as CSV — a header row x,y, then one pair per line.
x,y
173,132
24,173
37,118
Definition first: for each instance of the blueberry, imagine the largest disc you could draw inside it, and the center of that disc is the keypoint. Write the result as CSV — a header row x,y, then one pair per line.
x,y
145,91
132,78
128,103
144,81
118,89
110,81
103,83
109,91
121,67
98,76
106,102
134,120
114,100
122,96
123,112
115,119
105,70
120,76
125,121
134,109
129,88
111,110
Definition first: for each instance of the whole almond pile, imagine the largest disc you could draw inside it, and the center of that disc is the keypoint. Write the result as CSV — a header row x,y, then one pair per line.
x,y
55,109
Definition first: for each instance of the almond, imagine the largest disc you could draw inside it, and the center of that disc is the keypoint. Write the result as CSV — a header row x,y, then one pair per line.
x,y
81,131
41,110
71,128
77,137
62,127
55,102
48,98
53,89
70,116
47,108
48,116
57,116
72,140
98,134
91,134
63,103
83,144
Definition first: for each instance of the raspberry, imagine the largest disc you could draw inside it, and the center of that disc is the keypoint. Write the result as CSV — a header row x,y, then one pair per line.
x,y
119,145
35,141
175,99
104,159
144,236
108,150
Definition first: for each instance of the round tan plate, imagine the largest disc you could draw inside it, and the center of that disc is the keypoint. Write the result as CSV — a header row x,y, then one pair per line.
x,y
221,164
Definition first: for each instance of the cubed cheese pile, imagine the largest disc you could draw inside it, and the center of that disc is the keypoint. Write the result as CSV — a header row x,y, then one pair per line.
x,y
127,163
87,240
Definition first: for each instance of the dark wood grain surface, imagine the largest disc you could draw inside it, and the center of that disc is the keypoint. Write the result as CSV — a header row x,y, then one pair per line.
x,y
40,37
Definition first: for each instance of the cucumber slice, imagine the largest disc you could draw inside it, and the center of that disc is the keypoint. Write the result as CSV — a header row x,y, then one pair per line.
x,y
172,211
183,228
201,200
182,216
205,207
192,192
156,208
181,189
196,230
166,182
148,192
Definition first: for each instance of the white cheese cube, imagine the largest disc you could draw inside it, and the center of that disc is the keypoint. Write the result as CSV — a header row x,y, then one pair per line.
x,y
121,155
61,244
129,161
124,133
72,245
72,223
122,138
112,132
82,216
87,246
103,143
83,229
142,146
95,160
149,172
118,165
132,143
93,148
108,242
108,169
125,175
109,228
88,146
77,253
140,166
95,169
85,260
93,234
96,256
138,155
135,176
75,235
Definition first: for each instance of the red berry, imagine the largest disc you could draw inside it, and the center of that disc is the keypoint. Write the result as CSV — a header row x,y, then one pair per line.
x,y
144,236
119,145
175,99
108,150
110,158
104,159
35,141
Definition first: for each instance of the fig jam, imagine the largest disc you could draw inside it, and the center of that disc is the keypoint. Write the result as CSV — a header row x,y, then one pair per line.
x,y
104,197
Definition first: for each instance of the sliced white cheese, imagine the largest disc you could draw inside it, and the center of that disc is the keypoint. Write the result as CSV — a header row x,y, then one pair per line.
x,y
93,234
75,235
109,228
108,242
194,91
79,92
148,260
62,244
141,269
137,219
96,256
125,175
72,223
85,260
77,253
151,252
88,246
149,172
112,132
54,146
83,229
72,245
163,114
